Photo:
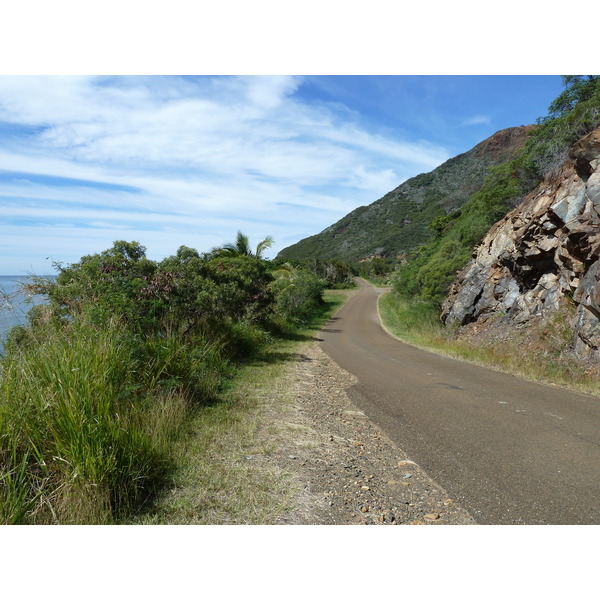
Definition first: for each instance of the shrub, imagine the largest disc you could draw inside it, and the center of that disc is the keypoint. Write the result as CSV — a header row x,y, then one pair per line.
x,y
203,291
93,389
298,292
113,282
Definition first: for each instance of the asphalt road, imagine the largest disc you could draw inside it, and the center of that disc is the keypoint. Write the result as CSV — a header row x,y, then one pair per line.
x,y
510,451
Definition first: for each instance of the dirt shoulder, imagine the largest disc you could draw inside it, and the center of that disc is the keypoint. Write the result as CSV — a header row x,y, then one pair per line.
x,y
342,468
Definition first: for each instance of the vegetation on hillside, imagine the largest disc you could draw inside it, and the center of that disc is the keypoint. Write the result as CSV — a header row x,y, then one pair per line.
x,y
399,221
103,380
428,272
430,224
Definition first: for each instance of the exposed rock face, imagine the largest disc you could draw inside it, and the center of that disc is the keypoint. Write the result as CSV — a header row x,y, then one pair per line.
x,y
504,142
543,252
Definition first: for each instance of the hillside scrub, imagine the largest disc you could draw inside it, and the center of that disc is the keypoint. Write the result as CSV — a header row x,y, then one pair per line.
x,y
399,221
94,391
429,270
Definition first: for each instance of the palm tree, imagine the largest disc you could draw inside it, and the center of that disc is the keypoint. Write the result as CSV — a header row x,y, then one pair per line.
x,y
241,247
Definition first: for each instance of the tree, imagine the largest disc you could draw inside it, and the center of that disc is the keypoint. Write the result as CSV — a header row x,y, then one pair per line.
x,y
578,88
241,247
112,283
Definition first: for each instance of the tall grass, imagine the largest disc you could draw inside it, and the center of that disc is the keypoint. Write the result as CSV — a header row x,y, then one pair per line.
x,y
224,474
416,322
87,415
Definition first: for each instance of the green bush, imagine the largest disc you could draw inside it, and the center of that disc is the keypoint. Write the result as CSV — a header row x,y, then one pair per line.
x,y
113,282
105,375
298,292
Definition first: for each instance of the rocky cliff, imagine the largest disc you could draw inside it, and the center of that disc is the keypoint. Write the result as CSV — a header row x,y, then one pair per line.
x,y
543,258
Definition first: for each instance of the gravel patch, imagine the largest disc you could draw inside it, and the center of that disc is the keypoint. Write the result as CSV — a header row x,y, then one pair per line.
x,y
342,468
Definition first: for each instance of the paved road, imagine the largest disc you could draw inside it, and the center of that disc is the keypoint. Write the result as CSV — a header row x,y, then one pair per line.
x,y
510,451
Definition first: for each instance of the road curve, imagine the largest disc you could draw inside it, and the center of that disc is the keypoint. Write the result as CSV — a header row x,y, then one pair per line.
x,y
510,451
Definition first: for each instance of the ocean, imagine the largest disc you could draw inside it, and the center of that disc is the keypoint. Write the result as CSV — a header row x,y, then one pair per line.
x,y
14,308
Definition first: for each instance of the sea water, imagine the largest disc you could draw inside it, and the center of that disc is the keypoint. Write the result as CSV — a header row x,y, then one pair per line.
x,y
14,304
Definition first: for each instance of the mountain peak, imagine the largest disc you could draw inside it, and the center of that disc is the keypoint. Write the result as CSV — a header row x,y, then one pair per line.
x,y
504,142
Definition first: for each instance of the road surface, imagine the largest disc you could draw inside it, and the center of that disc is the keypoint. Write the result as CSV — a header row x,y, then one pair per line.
x,y
510,451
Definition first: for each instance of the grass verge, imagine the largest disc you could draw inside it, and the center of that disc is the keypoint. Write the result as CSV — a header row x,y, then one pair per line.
x,y
539,353
222,475
87,418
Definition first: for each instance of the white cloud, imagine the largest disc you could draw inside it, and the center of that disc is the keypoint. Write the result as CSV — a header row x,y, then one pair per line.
x,y
203,156
476,120
269,92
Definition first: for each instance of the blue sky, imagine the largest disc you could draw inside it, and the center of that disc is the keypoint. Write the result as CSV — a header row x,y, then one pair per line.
x,y
173,160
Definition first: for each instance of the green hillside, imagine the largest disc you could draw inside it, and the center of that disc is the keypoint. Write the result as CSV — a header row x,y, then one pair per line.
x,y
428,273
400,221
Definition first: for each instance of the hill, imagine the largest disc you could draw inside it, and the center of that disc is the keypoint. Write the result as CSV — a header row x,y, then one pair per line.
x,y
400,221
428,273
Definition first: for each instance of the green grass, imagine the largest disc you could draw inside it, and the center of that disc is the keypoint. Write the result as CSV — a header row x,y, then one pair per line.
x,y
96,421
414,322
540,353
224,475
87,418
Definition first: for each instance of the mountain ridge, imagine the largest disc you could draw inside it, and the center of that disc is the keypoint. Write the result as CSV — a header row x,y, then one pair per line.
x,y
400,220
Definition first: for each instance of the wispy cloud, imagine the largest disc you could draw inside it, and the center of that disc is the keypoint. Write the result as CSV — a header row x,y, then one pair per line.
x,y
190,160
477,120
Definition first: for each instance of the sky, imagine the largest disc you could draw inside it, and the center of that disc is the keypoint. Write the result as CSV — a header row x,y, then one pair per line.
x,y
190,160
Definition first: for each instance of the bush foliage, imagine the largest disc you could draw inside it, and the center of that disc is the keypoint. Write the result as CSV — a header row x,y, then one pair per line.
x,y
94,389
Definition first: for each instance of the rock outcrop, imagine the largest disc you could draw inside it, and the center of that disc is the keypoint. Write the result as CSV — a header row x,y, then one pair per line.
x,y
543,255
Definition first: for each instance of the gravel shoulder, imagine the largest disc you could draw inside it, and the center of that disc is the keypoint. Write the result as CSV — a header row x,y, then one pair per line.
x,y
342,468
